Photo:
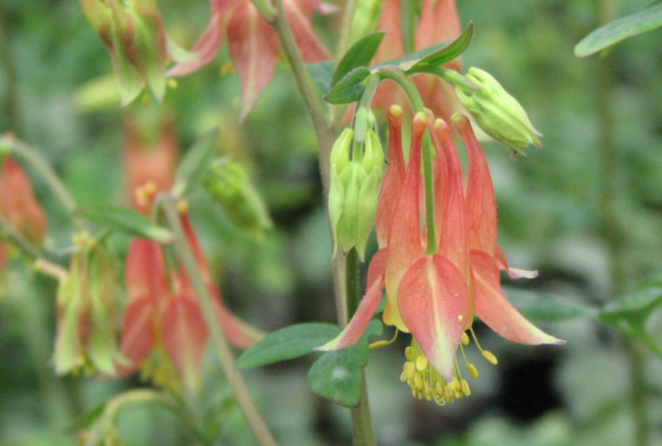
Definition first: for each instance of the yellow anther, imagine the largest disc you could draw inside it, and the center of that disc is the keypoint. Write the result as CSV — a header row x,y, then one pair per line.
x,y
408,353
460,318
472,370
377,344
227,68
421,363
465,338
490,357
172,83
403,376
465,387
182,206
396,110
418,382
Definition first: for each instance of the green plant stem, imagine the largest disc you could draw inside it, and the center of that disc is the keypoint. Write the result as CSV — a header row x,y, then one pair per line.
x,y
612,230
44,170
7,65
345,28
266,10
322,126
8,232
361,419
395,74
221,346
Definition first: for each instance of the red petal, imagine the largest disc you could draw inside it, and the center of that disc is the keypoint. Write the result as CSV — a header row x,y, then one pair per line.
x,y
137,334
404,244
356,326
394,176
206,48
184,335
239,333
253,46
435,304
493,308
438,23
453,240
299,14
144,273
481,204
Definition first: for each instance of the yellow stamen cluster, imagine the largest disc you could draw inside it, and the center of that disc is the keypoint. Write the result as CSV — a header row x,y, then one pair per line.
x,y
427,383
145,194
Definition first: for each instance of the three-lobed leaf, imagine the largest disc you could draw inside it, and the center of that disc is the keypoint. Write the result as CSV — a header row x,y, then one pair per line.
x,y
612,33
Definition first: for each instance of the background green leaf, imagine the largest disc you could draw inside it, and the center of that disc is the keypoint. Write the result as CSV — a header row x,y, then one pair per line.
x,y
543,307
287,343
195,162
126,220
619,30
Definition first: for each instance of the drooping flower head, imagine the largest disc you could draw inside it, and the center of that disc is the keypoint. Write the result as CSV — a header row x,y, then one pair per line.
x,y
436,296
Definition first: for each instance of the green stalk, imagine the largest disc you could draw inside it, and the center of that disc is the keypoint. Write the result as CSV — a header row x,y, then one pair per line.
x,y
609,220
44,170
345,28
395,74
8,232
221,346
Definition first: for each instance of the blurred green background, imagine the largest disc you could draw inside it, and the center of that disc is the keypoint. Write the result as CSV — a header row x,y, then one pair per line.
x,y
586,211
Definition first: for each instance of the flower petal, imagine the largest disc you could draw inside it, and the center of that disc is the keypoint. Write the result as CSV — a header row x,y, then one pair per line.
x,y
206,48
184,336
514,273
137,334
494,309
481,203
299,14
239,333
354,330
435,304
144,273
405,243
253,46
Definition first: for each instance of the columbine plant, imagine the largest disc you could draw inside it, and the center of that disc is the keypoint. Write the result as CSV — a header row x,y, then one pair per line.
x,y
438,260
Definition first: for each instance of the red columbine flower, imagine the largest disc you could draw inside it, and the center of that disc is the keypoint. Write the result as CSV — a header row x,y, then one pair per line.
x,y
435,296
163,325
253,43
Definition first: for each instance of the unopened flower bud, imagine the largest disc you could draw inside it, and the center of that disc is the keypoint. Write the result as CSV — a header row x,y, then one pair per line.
x,y
354,190
497,112
228,183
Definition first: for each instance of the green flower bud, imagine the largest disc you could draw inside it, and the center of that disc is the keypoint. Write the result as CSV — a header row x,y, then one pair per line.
x,y
354,191
228,184
497,112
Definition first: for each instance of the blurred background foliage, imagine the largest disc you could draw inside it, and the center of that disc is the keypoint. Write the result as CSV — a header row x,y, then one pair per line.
x,y
586,211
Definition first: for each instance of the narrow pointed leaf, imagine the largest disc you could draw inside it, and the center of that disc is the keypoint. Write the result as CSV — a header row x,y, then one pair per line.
x,y
635,307
86,420
359,55
336,375
287,343
442,56
128,221
350,88
195,163
612,33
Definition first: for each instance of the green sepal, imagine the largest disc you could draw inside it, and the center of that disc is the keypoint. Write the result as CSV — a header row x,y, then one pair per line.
x,y
336,375
287,343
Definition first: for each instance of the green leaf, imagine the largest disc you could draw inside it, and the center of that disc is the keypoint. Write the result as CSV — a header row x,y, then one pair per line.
x,y
612,33
128,221
349,88
195,162
321,73
543,307
287,343
443,55
359,55
634,307
336,375
86,420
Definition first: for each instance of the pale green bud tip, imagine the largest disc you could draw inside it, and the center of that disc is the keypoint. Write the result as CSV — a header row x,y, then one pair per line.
x,y
340,151
498,113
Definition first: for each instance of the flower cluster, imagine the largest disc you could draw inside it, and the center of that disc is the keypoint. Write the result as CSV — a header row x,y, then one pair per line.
x,y
435,296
